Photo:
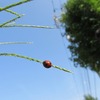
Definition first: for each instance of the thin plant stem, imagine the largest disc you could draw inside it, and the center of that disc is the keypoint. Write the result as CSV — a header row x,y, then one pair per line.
x,y
32,26
12,12
61,68
20,56
14,4
4,43
10,21
32,59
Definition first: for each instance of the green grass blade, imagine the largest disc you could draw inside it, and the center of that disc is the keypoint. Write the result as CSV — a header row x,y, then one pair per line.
x,y
31,26
12,12
4,43
10,21
20,56
15,4
32,59
63,69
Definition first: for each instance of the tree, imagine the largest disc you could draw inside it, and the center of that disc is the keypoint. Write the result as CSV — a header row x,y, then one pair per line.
x,y
89,97
81,21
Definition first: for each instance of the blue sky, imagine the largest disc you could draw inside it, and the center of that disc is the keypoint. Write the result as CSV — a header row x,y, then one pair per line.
x,y
21,79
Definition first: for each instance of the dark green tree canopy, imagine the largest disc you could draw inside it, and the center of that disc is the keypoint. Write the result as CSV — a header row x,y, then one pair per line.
x,y
89,97
81,20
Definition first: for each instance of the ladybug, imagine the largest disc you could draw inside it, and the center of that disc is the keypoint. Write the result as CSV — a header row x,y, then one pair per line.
x,y
47,64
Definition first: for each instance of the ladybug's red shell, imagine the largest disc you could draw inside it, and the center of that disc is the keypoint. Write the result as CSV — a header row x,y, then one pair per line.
x,y
47,64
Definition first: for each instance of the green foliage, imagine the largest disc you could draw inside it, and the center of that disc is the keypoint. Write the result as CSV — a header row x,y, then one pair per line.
x,y
81,20
89,97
